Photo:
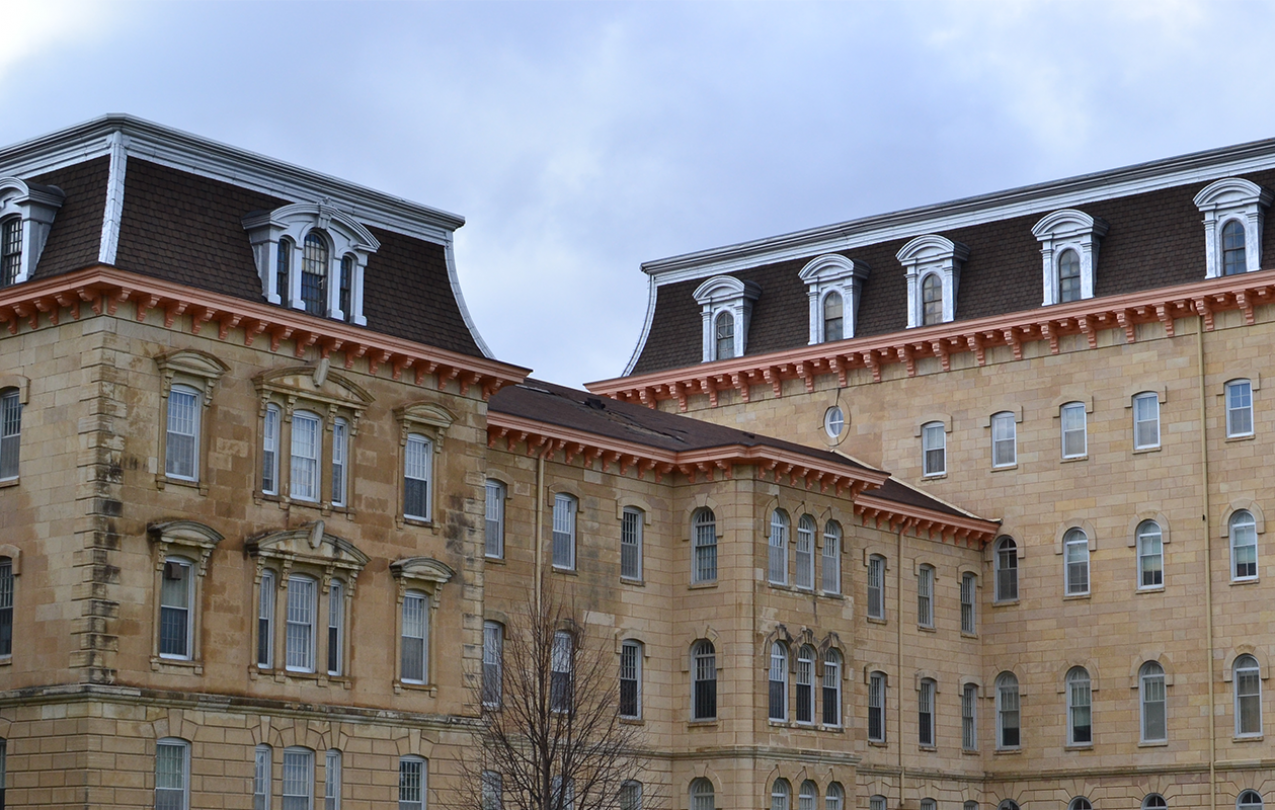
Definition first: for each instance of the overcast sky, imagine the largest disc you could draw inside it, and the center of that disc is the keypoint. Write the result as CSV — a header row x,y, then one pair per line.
x,y
579,140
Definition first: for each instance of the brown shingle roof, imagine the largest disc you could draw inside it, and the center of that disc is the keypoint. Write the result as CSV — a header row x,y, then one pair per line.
x,y
75,238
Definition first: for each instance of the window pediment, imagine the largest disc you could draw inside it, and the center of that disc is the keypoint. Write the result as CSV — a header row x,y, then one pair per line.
x,y
1063,231
194,538
937,256
433,419
726,297
422,572
833,273
314,384
191,363
310,544
33,206
1232,199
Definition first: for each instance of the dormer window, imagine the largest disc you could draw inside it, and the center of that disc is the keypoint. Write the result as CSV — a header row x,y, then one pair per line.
x,y
331,249
10,250
726,304
933,265
833,283
1233,210
1069,242
26,215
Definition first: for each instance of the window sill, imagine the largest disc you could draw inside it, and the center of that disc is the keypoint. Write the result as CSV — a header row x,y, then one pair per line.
x,y
1138,451
1075,597
176,666
632,721
162,481
1005,467
840,597
1246,581
695,586
833,729
1150,589
566,572
967,752
698,724
875,620
1153,744
926,628
9,482
929,749
415,521
1250,437
1005,603
1073,459
6,661
400,686
965,634
1078,747
1008,752
636,583
1248,738
878,743
934,477
494,560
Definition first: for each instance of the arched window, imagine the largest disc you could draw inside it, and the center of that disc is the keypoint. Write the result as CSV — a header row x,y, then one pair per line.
x,y
780,795
347,283
1243,545
925,713
1079,703
1076,554
1154,801
1233,259
702,794
262,775
876,803
832,557
929,804
1248,696
283,272
876,707
564,531
805,574
631,795
631,523
833,328
1150,555
704,683
778,681
1007,714
1249,800
1080,803
807,795
298,778
704,540
314,274
805,684
778,570
1151,695
970,805
172,774
1068,277
724,330
413,782
835,798
876,587
1008,804
10,250
1006,570
931,300
832,688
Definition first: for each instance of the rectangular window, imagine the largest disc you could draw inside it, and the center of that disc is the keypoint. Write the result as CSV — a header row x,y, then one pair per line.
x,y
172,771
270,452
261,778
1008,719
175,615
564,532
265,621
631,679
969,705
832,689
1239,408
832,559
1146,421
181,448
298,778
306,433
876,587
925,714
1076,550
415,637
778,682
493,663
1075,439
336,628
6,612
876,707
631,544
804,686
1004,440
934,449
10,433
1079,700
561,676
925,596
704,567
340,431
968,625
416,468
332,780
493,791
300,624
1154,726
494,542
411,783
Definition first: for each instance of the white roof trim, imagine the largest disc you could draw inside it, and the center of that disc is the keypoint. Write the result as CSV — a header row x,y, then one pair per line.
x,y
114,198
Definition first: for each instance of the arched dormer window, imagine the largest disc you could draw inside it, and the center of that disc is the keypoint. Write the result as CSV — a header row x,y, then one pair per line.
x,y
10,250
1069,254
725,295
26,215
329,246
938,257
833,285
1227,201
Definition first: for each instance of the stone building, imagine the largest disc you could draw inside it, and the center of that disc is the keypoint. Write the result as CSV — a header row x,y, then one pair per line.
x,y
953,506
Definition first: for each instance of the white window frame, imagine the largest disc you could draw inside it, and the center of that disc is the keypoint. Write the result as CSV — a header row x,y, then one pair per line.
x,y
305,476
1239,402
832,707
703,671
1006,558
932,255
876,587
1243,521
1076,563
702,794
876,803
566,509
1004,440
703,546
300,636
632,520
1006,694
191,397
780,795
297,789
262,776
340,461
926,724
413,782
1073,412
270,433
1151,677
731,295
418,467
562,673
493,686
831,558
969,602
933,440
10,433
1247,664
1079,689
631,655
925,596
1146,418
969,717
834,422
827,274
777,548
1226,200
804,682
494,537
804,573
267,592
777,683
876,703
835,797
1059,232
336,629
1149,539
332,779
1245,801
188,568
807,795
173,745
415,600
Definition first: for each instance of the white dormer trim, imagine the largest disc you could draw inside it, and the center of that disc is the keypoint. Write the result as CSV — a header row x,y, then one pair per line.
x,y
345,236
833,272
932,255
1232,198
1065,230
726,294
36,205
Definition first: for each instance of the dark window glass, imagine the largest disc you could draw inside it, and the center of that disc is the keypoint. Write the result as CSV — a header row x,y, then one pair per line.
x,y
1233,258
347,279
283,272
10,250
931,300
1068,277
314,275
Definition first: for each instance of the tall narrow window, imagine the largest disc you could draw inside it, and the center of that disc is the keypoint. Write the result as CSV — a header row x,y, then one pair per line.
x,y
176,613
876,707
4,769
270,451
805,684
1146,421
925,713
415,664
562,675
1233,259
336,628
283,272
1243,546
261,777
631,679
564,531
876,803
876,587
265,621
925,596
631,544
934,449
6,611
1076,551
704,683
832,558
702,795
1152,698
307,431
931,300
833,322
340,432
10,433
832,688
1004,440
1079,715
417,461
494,791
1007,714
835,798
1068,277
10,250
778,681
300,629
172,775
1150,555
969,624
969,717
298,778
1075,439
724,329
314,275
780,795
412,784
332,780
630,795
778,568
807,795
181,447
493,663
704,539
1006,570
347,282
1248,696
805,573
494,542
1239,408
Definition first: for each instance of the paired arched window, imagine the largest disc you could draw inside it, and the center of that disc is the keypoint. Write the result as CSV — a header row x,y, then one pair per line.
x,y
1068,277
703,681
832,688
1007,711
832,557
1006,570
1243,545
778,681
805,573
1150,555
833,320
704,542
702,795
931,300
778,543
1247,676
1076,555
724,334
807,795
1079,707
805,684
780,795
1234,261
1153,700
